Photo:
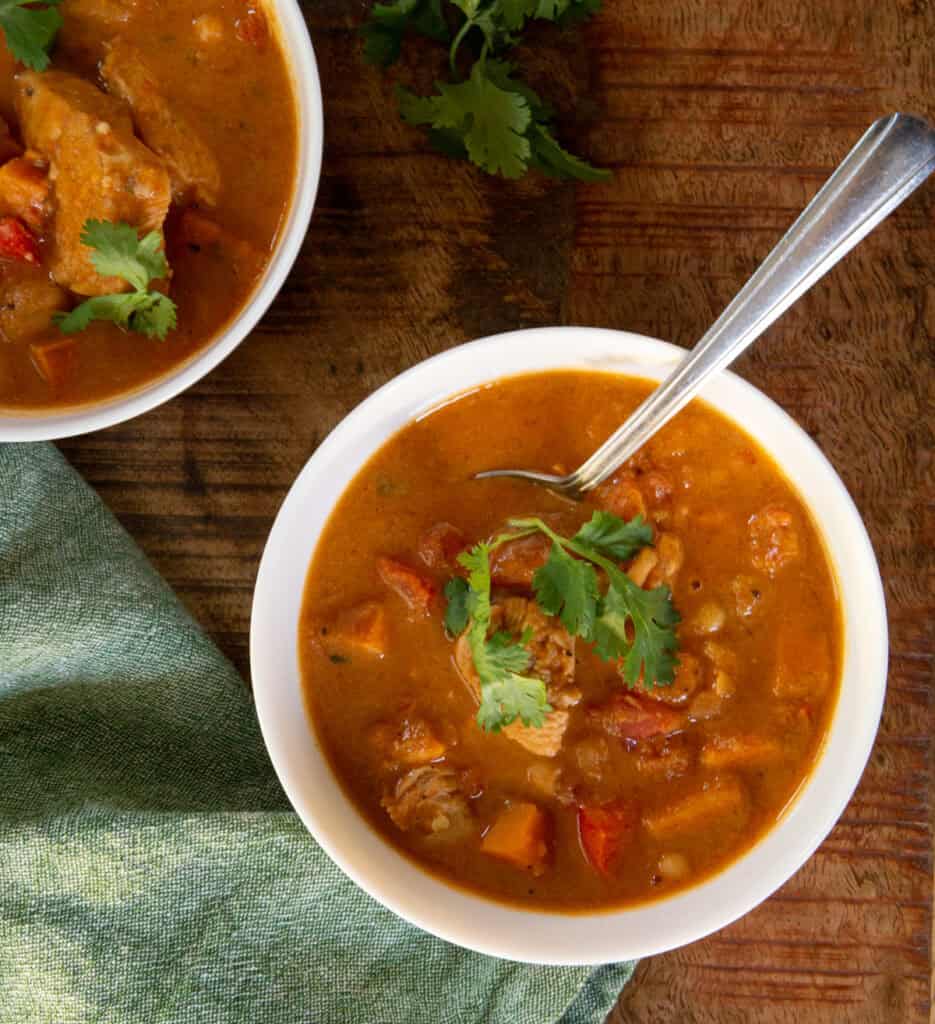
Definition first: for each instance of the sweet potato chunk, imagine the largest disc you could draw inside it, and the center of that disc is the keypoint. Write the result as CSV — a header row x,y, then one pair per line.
x,y
718,800
27,301
362,628
55,360
519,837
415,589
803,662
24,190
98,168
193,169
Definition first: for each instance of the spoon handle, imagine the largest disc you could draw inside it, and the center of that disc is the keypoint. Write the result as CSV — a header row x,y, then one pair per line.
x,y
895,155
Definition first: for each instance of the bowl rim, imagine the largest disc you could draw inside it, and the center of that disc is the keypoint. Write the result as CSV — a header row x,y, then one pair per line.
x,y
51,425
474,921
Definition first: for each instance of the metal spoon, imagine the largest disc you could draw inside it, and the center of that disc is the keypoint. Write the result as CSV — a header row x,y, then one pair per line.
x,y
895,155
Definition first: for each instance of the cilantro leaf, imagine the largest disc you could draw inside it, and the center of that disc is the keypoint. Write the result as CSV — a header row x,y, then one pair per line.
x,y
577,11
154,318
633,626
388,24
567,587
505,700
148,313
30,30
549,158
490,120
515,12
505,694
493,119
502,73
458,611
647,616
119,252
610,536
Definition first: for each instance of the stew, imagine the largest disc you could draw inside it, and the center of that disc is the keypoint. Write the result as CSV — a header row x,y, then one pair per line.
x,y
171,119
554,736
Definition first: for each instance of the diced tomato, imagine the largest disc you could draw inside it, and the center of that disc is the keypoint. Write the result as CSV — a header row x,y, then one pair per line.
x,y
417,591
54,360
515,563
17,242
606,831
253,29
633,718
441,545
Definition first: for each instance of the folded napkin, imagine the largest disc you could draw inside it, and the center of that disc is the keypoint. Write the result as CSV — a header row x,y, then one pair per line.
x,y
151,871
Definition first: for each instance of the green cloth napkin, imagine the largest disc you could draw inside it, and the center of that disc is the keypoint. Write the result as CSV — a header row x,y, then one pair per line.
x,y
151,871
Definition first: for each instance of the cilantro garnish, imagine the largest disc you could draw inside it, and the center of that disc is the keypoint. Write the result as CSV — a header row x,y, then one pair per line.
x,y
120,252
389,23
490,117
506,694
458,611
30,29
625,623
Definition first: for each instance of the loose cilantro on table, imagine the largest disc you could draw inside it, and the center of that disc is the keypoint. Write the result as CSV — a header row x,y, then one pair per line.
x,y
30,29
389,23
624,622
120,252
490,117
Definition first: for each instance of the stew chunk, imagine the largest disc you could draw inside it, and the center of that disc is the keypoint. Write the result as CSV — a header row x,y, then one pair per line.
x,y
553,661
193,168
518,837
428,799
99,170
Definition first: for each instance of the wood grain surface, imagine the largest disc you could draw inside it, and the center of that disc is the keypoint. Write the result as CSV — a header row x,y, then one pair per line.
x,y
720,121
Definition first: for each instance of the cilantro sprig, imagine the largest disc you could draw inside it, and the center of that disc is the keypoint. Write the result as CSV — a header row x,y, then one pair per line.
x,y
490,117
30,29
120,252
626,624
506,694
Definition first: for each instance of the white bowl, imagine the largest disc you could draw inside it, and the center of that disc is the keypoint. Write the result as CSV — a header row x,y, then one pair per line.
x,y
44,425
474,921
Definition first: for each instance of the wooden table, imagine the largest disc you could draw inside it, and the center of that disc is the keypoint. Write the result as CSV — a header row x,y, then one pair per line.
x,y
720,121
